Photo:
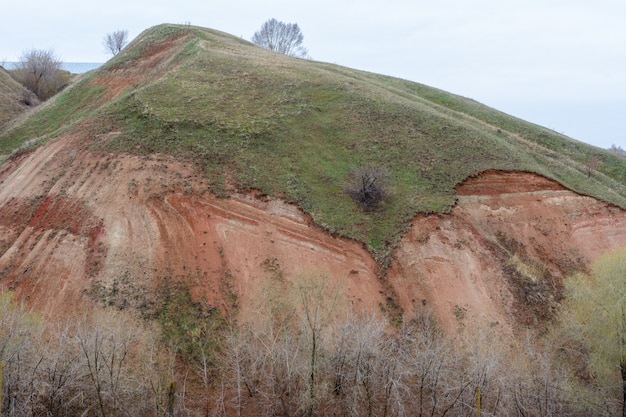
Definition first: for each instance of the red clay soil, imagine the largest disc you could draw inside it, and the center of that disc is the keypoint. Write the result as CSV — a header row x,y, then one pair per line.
x,y
153,218
154,61
71,221
502,182
501,255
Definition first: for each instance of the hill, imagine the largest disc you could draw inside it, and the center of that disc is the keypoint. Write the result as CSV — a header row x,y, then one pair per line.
x,y
199,182
296,128
197,111
11,98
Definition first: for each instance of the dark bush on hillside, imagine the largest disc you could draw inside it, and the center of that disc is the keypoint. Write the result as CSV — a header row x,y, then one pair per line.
x,y
368,186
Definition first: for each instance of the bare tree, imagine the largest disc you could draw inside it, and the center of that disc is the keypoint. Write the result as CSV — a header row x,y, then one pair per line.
x,y
40,71
105,342
158,367
369,186
17,326
618,150
285,38
114,42
592,163
363,367
438,383
319,299
57,369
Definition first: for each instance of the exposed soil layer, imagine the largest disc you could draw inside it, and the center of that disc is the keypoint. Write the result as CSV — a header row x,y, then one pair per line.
x,y
128,222
154,60
501,182
501,255
75,225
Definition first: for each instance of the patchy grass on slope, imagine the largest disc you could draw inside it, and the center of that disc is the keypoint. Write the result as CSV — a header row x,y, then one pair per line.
x,y
296,128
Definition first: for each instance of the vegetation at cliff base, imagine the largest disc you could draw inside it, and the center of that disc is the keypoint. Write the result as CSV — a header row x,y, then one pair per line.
x,y
304,351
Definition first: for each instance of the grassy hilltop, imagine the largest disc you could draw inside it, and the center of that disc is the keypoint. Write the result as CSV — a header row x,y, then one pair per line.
x,y
298,128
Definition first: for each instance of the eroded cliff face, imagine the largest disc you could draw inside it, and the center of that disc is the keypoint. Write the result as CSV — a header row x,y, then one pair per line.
x,y
72,222
76,225
501,255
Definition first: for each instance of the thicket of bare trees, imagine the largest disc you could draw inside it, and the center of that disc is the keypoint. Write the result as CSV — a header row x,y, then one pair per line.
x,y
304,352
363,369
40,72
99,365
283,362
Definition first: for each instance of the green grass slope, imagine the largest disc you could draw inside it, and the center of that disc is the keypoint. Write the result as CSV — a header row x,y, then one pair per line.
x,y
296,128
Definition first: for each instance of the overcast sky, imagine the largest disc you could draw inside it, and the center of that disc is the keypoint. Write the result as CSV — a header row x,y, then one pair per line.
x,y
560,64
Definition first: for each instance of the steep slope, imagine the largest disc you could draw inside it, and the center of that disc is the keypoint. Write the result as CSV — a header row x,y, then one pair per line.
x,y
12,96
501,255
198,157
299,128
128,222
112,227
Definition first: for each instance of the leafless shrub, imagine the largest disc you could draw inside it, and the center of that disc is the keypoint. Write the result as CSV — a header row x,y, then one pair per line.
x,y
592,163
368,186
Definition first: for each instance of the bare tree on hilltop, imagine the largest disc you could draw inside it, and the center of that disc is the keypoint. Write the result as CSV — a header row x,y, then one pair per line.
x,y
114,42
285,38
